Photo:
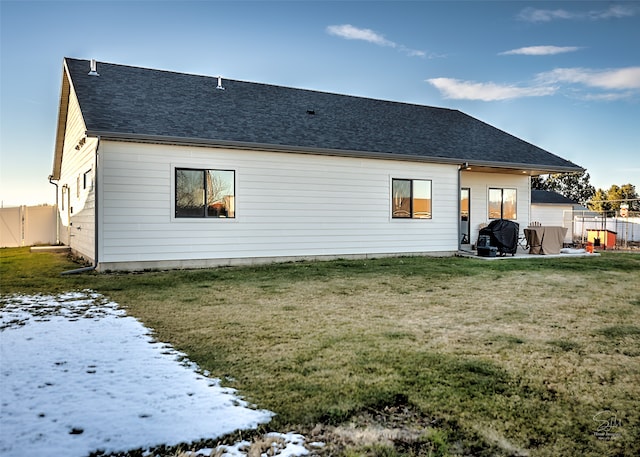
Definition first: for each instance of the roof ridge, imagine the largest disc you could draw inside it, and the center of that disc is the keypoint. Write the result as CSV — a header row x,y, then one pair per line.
x,y
259,83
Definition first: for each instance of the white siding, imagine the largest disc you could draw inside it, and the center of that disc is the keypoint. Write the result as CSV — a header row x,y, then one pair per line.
x,y
479,183
76,203
554,215
287,205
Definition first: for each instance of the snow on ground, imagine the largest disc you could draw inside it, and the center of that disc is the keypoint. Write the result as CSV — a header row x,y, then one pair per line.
x,y
79,375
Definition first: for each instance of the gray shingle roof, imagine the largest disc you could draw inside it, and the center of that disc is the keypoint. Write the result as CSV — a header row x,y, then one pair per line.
x,y
547,196
135,102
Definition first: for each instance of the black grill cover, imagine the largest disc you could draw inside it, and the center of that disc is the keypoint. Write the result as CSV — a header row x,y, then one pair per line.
x,y
503,234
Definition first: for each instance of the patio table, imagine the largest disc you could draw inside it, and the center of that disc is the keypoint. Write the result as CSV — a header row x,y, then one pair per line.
x,y
545,239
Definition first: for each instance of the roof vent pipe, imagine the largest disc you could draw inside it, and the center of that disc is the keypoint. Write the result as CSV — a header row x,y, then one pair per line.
x,y
94,68
219,87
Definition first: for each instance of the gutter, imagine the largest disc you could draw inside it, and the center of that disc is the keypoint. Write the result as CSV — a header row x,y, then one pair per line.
x,y
96,219
267,147
204,142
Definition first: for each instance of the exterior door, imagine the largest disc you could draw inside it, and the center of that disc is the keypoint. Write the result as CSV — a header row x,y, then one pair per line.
x,y
465,215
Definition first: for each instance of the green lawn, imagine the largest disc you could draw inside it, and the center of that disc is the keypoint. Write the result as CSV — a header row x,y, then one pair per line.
x,y
403,356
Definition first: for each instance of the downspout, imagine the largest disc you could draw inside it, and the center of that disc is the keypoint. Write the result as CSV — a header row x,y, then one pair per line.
x,y
95,216
57,211
461,167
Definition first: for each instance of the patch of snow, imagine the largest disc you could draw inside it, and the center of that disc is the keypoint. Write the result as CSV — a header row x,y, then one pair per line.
x,y
271,444
292,444
78,375
239,449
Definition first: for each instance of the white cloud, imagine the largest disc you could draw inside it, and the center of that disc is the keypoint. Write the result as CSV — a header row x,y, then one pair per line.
x,y
616,79
616,84
540,50
351,32
414,52
607,96
536,15
613,12
471,90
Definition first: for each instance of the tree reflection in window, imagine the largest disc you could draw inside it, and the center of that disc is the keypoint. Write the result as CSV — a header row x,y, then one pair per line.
x,y
205,193
220,193
401,198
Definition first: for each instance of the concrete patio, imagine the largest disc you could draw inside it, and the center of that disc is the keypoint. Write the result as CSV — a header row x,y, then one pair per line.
x,y
522,253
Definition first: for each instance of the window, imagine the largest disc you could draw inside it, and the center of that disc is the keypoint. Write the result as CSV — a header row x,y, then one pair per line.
x,y
502,204
205,193
411,198
86,180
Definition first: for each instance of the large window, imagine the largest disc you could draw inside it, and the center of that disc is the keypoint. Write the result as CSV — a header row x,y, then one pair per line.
x,y
205,193
411,198
502,204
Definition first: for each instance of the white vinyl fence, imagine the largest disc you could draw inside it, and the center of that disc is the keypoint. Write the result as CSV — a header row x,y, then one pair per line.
x,y
627,229
28,226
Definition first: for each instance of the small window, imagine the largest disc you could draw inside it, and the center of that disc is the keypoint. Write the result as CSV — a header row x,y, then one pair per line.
x,y
86,180
411,198
502,204
205,193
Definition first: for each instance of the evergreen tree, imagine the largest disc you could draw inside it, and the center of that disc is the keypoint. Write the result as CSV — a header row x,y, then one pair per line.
x,y
610,200
629,192
599,201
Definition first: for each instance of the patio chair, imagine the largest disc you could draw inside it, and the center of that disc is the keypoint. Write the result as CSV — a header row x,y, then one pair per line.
x,y
523,242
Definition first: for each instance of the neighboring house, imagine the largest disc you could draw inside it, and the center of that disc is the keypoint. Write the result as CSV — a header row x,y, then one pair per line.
x,y
552,208
157,169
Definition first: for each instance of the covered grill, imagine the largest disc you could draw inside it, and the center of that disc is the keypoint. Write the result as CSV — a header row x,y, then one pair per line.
x,y
503,234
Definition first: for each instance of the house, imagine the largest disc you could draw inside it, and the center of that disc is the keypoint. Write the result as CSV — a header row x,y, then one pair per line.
x,y
552,208
157,169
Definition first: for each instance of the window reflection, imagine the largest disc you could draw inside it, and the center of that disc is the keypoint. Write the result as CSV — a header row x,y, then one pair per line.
x,y
220,190
205,193
411,198
502,204
401,189
422,199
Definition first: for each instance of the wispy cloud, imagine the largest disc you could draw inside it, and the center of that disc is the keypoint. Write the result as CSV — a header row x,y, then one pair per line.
x,y
609,79
471,90
607,96
608,85
350,32
544,15
538,15
540,50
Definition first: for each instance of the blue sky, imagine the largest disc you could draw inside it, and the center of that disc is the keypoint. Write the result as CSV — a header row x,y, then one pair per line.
x,y
562,75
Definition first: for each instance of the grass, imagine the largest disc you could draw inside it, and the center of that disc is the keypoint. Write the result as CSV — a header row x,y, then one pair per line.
x,y
451,356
